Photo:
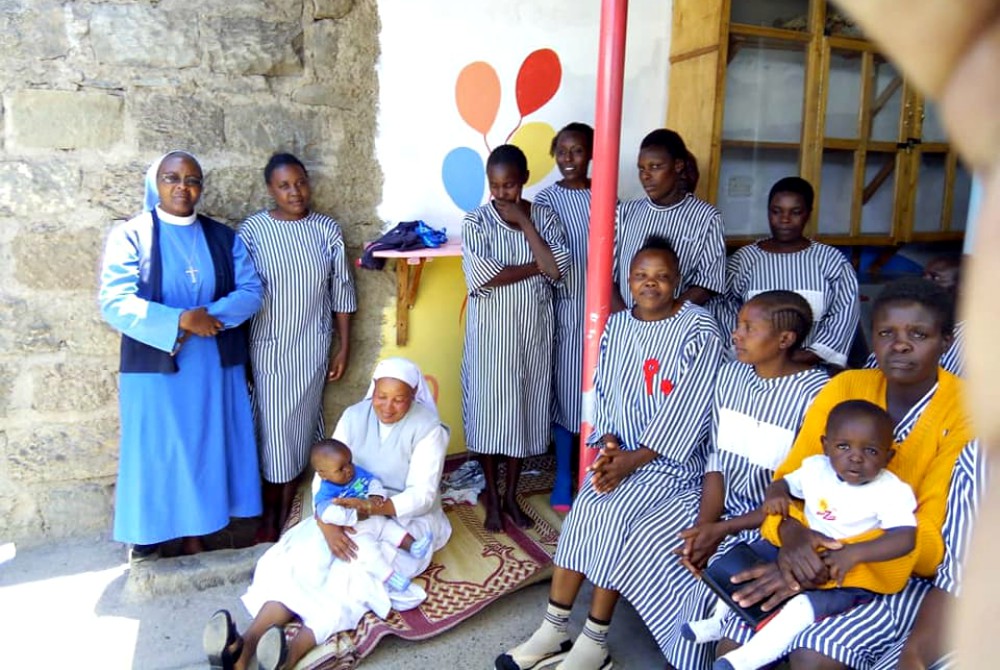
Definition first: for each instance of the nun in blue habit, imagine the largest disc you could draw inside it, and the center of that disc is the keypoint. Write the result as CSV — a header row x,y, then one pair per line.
x,y
178,285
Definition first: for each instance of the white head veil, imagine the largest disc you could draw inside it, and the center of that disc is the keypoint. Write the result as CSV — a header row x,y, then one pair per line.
x,y
406,371
151,197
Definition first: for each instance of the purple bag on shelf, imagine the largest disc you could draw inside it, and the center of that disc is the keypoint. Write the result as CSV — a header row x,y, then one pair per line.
x,y
405,236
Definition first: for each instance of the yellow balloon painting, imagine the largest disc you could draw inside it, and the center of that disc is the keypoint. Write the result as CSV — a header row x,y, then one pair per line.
x,y
535,140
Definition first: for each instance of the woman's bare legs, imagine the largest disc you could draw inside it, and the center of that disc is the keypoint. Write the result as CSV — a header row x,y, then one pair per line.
x,y
491,496
510,506
551,639
272,613
301,644
602,604
271,495
288,490
565,587
192,545
277,500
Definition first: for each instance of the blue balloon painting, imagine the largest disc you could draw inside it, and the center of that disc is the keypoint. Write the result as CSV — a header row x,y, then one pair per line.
x,y
464,177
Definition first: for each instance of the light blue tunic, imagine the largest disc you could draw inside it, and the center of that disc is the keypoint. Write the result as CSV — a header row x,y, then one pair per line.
x,y
188,458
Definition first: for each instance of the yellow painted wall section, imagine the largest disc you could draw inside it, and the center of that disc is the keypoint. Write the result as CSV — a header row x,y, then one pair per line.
x,y
437,330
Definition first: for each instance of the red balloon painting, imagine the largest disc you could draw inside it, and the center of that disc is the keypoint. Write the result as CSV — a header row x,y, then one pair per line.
x,y
537,80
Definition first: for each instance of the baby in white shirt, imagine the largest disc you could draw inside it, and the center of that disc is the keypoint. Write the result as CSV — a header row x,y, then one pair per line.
x,y
846,492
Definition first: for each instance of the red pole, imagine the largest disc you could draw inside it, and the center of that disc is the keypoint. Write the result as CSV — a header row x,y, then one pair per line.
x,y
607,138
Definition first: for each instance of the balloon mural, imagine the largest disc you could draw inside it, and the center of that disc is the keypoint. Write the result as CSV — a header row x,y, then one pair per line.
x,y
477,96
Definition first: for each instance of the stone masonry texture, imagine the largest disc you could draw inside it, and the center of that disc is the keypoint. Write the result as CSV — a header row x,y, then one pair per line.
x,y
91,92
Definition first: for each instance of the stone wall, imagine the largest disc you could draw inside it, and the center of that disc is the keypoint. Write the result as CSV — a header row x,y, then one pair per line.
x,y
93,91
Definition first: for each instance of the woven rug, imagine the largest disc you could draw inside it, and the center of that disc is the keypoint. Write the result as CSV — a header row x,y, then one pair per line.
x,y
470,572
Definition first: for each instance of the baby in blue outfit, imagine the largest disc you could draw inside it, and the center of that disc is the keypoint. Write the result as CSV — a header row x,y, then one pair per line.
x,y
334,464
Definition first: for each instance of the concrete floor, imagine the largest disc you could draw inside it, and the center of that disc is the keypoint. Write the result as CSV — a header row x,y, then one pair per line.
x,y
69,605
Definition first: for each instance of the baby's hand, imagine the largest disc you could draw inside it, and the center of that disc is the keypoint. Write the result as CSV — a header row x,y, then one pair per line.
x,y
351,503
777,504
777,499
839,562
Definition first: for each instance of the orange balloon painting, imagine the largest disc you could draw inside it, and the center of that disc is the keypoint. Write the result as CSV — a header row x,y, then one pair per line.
x,y
537,80
477,95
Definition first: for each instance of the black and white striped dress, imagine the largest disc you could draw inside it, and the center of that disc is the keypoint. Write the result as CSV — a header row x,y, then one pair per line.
x,y
653,388
304,269
754,423
862,637
507,362
968,484
694,228
819,273
951,360
573,208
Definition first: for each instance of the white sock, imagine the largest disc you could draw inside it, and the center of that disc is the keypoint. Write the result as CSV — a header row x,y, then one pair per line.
x,y
771,641
590,649
706,630
550,638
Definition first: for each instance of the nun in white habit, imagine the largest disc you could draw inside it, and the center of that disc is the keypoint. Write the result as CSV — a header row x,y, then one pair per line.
x,y
396,434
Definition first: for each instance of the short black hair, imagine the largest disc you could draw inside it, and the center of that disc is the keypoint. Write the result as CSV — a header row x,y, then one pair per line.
x,y
851,409
281,160
508,154
330,447
789,312
796,185
671,142
580,128
925,293
661,244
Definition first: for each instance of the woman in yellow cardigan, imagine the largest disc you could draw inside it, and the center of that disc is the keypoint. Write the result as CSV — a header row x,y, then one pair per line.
x,y
912,327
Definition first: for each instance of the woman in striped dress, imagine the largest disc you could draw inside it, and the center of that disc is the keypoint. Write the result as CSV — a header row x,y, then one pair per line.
x,y
308,292
912,324
922,639
570,198
512,253
791,262
669,175
760,400
653,390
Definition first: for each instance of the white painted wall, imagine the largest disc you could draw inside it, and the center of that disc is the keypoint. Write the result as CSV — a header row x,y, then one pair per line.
x,y
424,46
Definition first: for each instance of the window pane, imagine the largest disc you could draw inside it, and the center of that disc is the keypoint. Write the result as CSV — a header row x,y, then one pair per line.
x,y
836,193
764,92
960,197
877,213
930,192
745,178
933,129
887,91
843,97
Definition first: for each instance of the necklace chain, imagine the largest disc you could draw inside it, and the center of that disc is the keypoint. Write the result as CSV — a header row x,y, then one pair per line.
x,y
191,270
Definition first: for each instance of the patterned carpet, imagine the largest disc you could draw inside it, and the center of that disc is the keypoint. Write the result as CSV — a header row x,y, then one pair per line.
x,y
474,569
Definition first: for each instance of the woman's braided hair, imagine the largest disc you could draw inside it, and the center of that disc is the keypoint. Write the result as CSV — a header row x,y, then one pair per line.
x,y
789,312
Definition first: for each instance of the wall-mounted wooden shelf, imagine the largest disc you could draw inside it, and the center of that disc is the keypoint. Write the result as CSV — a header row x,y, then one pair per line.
x,y
409,266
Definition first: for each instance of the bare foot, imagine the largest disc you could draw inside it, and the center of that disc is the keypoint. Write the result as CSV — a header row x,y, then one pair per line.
x,y
516,514
494,522
192,545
